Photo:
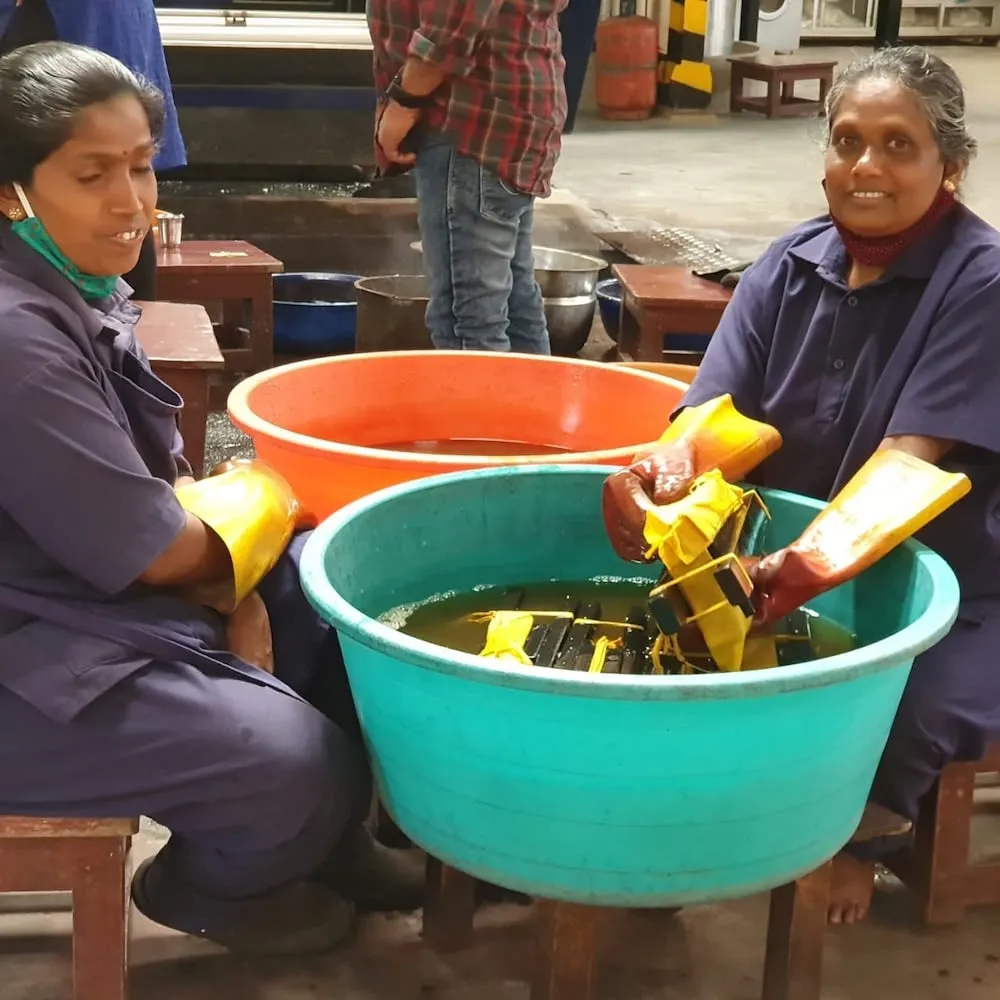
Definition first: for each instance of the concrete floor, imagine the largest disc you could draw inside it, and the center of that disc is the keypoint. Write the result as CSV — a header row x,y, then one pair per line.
x,y
741,182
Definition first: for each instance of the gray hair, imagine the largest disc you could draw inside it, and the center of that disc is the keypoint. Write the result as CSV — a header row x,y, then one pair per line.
x,y
930,80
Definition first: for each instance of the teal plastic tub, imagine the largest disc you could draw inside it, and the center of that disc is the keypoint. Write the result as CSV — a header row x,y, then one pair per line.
x,y
618,791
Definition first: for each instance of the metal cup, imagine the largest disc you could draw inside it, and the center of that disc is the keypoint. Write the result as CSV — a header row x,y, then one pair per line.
x,y
170,227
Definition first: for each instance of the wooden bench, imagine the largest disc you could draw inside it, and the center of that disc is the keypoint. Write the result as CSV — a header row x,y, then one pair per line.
x,y
89,858
780,73
657,301
180,344
568,935
938,867
235,276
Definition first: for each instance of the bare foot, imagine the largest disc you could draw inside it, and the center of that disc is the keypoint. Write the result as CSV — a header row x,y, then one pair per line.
x,y
851,894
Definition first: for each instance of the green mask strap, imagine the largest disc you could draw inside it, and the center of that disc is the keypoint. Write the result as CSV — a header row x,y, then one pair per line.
x,y
32,232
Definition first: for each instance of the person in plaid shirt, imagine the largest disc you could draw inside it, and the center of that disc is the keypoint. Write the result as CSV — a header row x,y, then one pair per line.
x,y
473,97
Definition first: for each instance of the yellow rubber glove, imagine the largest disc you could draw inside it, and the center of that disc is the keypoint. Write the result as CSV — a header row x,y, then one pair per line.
x,y
254,512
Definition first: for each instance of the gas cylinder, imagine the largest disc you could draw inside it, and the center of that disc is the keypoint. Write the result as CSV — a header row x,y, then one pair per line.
x,y
627,54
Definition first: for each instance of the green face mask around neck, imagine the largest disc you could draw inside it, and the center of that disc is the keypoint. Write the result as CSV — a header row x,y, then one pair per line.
x,y
36,236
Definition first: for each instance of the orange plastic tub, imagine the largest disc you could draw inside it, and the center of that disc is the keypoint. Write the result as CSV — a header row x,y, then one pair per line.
x,y
321,423
681,373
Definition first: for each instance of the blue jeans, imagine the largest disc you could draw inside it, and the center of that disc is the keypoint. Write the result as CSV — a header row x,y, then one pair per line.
x,y
480,270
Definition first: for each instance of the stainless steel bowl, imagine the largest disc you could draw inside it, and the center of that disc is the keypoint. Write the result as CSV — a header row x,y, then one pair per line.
x,y
562,274
569,321
391,311
569,288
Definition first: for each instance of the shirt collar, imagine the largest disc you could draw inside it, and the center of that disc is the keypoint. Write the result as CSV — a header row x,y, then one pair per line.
x,y
827,253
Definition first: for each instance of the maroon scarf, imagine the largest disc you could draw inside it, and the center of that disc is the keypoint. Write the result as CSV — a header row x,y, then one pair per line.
x,y
881,251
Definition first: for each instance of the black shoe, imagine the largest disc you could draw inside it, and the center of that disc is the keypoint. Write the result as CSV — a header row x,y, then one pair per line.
x,y
374,877
301,918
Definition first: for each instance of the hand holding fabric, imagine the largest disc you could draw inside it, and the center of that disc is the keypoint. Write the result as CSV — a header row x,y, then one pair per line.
x,y
713,435
662,477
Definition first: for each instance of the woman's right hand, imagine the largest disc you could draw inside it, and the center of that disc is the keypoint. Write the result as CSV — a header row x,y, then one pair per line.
x,y
248,633
661,477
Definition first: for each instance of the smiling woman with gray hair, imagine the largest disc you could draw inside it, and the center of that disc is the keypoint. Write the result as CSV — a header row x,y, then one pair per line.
x,y
875,326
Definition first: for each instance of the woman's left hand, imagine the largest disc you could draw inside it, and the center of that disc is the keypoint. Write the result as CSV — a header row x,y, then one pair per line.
x,y
248,631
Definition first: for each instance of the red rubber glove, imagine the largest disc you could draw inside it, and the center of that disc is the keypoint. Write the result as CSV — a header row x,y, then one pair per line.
x,y
661,477
786,580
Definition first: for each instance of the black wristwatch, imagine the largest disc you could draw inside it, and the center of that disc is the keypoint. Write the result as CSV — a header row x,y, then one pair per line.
x,y
415,102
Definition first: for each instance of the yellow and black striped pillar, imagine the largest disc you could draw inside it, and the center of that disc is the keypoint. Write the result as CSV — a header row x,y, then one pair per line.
x,y
685,78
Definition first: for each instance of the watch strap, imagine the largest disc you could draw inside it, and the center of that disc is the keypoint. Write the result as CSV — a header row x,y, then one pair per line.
x,y
415,102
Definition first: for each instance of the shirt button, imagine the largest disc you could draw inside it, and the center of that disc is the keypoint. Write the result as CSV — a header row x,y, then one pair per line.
x,y
838,364
852,300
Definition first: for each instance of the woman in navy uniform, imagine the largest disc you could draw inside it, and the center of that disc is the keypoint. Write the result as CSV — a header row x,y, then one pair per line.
x,y
125,689
876,326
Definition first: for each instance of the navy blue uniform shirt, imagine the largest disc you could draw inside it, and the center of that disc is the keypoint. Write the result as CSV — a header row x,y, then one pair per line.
x,y
90,450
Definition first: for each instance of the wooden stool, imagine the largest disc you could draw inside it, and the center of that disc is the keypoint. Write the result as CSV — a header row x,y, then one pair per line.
x,y
237,275
780,73
179,341
87,857
657,301
568,934
938,867
796,926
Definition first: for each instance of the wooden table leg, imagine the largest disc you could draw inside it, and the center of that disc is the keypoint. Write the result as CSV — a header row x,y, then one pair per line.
x,y
100,921
651,334
566,960
793,962
262,324
640,333
736,90
825,83
191,384
774,97
450,907
941,848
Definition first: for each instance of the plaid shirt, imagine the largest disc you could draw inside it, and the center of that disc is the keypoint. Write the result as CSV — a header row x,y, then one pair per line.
x,y
503,103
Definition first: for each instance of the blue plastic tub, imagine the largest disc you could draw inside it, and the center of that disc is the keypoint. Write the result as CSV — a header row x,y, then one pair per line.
x,y
315,313
609,303
621,791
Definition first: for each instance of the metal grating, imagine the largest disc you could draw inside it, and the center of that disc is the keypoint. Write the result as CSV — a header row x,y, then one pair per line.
x,y
669,246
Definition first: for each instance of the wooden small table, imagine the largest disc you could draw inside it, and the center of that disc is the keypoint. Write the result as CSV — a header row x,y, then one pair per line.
x,y
657,301
237,275
180,343
780,73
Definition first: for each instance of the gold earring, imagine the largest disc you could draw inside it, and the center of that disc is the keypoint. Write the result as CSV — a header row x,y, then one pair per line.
x,y
17,214
950,186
